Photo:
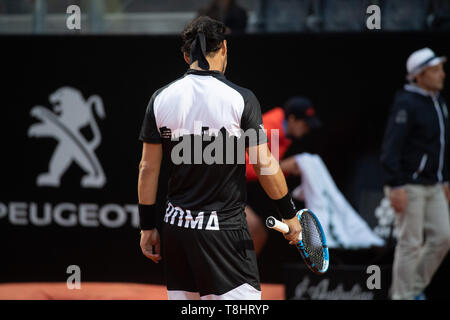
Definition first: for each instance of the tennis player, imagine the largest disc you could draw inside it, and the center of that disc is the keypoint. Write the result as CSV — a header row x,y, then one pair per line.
x,y
205,243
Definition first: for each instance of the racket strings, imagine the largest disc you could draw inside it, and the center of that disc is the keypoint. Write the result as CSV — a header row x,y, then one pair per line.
x,y
312,239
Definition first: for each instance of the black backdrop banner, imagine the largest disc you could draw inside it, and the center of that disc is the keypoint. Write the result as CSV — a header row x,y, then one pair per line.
x,y
339,283
72,107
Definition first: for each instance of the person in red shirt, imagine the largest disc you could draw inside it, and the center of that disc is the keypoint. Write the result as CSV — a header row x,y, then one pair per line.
x,y
292,122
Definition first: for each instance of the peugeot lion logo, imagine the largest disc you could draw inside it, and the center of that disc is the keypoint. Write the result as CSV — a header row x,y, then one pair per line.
x,y
71,114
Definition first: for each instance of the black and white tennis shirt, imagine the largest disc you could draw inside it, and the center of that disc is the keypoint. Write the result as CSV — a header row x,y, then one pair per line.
x,y
200,106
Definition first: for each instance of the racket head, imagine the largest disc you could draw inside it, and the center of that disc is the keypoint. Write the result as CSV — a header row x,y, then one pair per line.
x,y
313,246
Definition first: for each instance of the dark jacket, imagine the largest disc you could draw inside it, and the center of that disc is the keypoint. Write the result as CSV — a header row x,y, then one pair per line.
x,y
414,149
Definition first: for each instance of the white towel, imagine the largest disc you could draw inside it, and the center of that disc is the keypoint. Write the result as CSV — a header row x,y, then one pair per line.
x,y
343,226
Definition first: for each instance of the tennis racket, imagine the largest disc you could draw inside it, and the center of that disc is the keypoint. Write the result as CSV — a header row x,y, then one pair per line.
x,y
311,244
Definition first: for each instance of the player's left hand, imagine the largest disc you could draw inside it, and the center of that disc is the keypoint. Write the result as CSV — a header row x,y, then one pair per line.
x,y
150,244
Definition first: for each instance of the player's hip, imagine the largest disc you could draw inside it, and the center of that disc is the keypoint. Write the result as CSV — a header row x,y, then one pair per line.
x,y
208,220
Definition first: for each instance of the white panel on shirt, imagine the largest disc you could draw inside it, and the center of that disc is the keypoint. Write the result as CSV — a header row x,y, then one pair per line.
x,y
197,101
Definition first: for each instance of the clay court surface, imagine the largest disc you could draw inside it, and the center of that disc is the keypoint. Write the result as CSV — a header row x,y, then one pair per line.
x,y
104,291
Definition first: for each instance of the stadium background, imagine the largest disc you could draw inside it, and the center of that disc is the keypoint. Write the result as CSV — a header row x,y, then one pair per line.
x,y
351,75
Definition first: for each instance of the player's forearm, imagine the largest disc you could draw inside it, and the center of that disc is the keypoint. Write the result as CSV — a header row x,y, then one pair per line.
x,y
147,183
274,185
271,178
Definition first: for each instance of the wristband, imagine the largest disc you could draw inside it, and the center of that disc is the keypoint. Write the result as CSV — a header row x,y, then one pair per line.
x,y
286,207
147,216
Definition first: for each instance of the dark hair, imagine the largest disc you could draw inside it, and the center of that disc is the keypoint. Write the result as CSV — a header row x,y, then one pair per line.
x,y
214,33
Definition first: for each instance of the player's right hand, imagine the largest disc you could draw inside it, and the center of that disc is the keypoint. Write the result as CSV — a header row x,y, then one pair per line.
x,y
294,229
150,244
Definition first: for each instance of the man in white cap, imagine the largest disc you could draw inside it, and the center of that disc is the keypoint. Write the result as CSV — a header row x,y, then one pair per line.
x,y
414,158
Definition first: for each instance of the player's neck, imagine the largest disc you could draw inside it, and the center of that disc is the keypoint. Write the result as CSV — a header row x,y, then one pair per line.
x,y
213,65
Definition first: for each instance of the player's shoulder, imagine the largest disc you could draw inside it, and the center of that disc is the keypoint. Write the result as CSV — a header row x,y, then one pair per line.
x,y
246,93
168,87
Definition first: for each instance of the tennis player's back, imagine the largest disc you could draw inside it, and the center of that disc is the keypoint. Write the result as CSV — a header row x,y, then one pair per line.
x,y
199,107
199,101
187,116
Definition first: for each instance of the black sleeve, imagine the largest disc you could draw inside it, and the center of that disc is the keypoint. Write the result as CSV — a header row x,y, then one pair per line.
x,y
399,124
149,130
251,121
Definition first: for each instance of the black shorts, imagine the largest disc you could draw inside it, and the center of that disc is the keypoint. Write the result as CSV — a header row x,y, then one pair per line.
x,y
218,262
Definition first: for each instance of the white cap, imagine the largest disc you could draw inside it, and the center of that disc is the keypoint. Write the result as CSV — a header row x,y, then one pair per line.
x,y
421,59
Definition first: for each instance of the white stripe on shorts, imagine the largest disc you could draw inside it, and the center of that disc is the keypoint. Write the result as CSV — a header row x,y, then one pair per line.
x,y
243,292
182,295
